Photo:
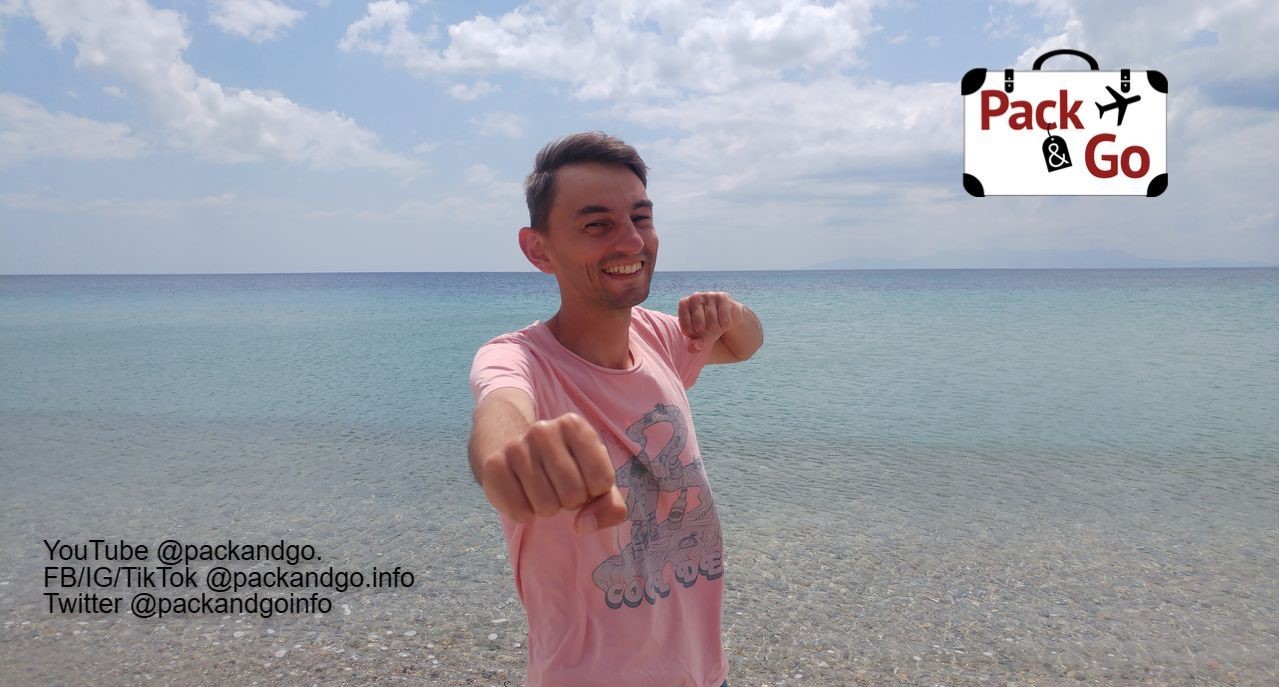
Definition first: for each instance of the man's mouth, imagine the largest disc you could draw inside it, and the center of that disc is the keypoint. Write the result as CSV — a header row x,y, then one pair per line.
x,y
623,270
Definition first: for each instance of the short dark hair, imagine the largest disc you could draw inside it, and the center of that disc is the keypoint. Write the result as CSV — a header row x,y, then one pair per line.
x,y
591,146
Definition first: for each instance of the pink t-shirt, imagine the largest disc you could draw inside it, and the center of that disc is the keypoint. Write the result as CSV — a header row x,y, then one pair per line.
x,y
637,604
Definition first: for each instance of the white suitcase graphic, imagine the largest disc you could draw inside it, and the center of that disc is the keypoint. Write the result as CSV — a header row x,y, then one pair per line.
x,y
1059,133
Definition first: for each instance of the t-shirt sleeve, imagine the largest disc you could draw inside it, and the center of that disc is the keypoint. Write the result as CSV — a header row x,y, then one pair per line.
x,y
499,365
688,364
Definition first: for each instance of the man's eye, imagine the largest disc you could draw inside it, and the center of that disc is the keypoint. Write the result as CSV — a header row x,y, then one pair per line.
x,y
641,218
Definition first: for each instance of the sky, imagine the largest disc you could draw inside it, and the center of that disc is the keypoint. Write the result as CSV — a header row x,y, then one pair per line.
x,y
331,136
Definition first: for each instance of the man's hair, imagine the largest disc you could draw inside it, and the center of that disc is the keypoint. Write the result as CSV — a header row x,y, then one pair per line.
x,y
591,146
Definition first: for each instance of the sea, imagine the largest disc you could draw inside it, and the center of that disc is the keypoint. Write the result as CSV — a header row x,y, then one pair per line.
x,y
929,476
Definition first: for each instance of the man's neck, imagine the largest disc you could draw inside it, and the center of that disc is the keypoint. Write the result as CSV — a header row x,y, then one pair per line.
x,y
601,337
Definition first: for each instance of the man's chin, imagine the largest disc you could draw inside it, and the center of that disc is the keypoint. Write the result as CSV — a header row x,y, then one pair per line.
x,y
628,299
626,303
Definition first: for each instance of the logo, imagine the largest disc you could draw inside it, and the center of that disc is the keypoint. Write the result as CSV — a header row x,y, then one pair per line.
x,y
1065,133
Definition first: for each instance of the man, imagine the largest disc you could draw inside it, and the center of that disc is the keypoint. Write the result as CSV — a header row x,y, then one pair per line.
x,y
583,440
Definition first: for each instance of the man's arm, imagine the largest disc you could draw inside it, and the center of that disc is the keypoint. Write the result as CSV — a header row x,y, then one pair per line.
x,y
503,415
734,331
741,341
533,468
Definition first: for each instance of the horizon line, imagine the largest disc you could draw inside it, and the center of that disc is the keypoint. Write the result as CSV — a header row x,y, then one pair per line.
x,y
791,269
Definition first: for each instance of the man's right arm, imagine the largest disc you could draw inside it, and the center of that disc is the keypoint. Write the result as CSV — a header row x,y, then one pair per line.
x,y
537,468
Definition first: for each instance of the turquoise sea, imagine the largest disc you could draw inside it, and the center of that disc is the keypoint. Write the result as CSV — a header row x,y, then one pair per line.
x,y
928,476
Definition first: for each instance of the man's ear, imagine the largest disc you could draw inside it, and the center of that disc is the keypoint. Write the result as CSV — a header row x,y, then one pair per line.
x,y
533,243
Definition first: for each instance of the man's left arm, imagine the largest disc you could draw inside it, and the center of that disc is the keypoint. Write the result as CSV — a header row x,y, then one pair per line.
x,y
715,318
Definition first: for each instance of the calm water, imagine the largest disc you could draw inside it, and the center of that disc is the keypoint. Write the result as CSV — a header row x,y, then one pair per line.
x,y
1071,470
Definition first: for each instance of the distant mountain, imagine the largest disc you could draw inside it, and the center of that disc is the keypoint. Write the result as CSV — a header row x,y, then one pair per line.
x,y
1041,259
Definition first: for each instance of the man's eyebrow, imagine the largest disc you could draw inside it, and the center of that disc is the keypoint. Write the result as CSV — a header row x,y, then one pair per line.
x,y
593,209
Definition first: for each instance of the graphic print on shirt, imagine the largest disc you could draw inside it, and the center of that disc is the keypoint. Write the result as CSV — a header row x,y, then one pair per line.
x,y
689,541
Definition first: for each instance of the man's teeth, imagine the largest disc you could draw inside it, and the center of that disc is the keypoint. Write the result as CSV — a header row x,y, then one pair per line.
x,y
624,269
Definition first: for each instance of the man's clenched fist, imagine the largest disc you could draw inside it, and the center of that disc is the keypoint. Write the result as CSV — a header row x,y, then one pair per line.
x,y
704,316
557,465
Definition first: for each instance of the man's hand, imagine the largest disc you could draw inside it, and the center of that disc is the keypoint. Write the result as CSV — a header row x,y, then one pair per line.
x,y
555,465
705,316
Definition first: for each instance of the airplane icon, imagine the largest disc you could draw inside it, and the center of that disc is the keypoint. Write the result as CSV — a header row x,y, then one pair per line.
x,y
1120,102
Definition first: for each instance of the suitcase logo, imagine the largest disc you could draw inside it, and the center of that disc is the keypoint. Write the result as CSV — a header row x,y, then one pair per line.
x,y
1065,133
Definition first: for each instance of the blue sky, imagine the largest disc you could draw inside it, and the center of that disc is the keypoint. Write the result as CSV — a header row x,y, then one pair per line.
x,y
299,135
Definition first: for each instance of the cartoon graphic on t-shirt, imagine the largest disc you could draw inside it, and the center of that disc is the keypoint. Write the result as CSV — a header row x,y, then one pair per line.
x,y
689,540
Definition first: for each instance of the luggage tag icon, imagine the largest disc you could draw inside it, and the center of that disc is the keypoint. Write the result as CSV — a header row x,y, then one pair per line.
x,y
1056,155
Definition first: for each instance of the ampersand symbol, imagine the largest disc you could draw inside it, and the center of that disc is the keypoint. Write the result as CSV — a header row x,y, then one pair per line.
x,y
1056,159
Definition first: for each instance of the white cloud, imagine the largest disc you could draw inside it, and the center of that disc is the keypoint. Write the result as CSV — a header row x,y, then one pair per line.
x,y
482,202
256,20
795,131
759,105
627,49
1140,37
504,124
479,175
113,91
467,93
29,131
756,90
142,47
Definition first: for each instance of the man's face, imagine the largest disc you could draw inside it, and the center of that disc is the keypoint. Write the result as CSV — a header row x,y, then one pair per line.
x,y
600,237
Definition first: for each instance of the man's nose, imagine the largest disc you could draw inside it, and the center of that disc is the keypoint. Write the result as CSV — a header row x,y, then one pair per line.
x,y
629,240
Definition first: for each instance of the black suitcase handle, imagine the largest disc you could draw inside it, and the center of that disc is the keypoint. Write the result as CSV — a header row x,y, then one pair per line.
x,y
1065,51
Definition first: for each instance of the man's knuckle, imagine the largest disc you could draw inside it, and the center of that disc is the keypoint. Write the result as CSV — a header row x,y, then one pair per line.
x,y
577,427
494,469
517,456
565,425
514,446
539,430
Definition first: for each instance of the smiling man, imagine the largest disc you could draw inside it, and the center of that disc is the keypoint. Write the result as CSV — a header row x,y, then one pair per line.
x,y
583,439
